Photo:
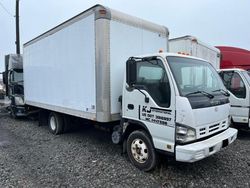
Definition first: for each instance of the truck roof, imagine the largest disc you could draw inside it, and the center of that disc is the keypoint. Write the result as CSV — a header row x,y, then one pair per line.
x,y
166,54
233,57
232,49
101,11
232,69
195,39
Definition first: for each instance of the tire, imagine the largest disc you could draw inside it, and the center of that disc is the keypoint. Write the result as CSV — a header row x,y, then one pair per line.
x,y
141,151
56,124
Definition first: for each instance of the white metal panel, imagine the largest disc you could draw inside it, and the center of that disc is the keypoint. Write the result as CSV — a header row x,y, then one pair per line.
x,y
208,54
127,41
176,46
60,69
197,48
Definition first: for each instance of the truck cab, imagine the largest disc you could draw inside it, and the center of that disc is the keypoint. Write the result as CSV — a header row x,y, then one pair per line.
x,y
13,80
174,104
237,82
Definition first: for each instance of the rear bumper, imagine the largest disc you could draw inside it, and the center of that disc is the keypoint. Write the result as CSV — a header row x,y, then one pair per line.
x,y
199,150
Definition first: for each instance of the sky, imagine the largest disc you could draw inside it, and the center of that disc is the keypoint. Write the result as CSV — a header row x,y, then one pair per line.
x,y
216,22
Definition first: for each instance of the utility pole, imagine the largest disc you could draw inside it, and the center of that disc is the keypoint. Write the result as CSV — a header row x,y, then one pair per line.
x,y
17,28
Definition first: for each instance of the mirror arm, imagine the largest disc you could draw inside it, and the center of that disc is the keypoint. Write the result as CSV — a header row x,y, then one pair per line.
x,y
146,97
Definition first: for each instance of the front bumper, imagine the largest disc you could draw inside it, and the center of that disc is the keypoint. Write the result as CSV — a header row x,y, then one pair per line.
x,y
199,150
19,111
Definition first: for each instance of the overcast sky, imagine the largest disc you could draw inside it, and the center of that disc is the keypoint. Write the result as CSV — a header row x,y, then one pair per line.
x,y
217,22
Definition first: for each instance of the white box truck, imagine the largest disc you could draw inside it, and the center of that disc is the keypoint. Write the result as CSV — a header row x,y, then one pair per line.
x,y
237,81
190,45
88,67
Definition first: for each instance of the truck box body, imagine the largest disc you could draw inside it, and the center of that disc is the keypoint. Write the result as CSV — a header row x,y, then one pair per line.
x,y
232,57
194,47
77,68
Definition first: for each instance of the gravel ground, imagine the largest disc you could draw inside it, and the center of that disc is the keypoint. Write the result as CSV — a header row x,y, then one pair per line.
x,y
32,157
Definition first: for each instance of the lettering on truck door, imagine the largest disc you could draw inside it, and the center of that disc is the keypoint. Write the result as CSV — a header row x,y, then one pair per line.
x,y
155,115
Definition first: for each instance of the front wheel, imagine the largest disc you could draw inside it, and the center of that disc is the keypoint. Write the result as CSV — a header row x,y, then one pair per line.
x,y
141,151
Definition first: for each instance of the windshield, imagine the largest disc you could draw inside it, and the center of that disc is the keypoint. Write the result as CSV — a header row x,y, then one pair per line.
x,y
194,76
247,76
17,76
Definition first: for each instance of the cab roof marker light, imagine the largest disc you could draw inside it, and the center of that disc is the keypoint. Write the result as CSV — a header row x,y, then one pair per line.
x,y
194,40
102,11
183,53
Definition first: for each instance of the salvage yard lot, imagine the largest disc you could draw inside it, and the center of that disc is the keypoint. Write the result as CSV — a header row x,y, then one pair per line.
x,y
85,157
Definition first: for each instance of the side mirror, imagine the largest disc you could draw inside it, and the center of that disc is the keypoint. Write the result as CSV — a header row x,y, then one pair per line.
x,y
131,72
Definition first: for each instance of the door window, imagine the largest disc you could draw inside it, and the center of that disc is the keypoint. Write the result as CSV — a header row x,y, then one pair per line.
x,y
234,83
151,75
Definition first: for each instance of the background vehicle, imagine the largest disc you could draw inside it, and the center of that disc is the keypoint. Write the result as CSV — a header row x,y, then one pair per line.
x,y
77,70
237,81
13,80
190,45
232,57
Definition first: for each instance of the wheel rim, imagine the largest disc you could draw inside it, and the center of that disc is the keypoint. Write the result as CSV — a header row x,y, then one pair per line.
x,y
53,123
139,150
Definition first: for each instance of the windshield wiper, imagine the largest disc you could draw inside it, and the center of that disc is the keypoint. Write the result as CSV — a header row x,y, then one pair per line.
x,y
223,92
210,96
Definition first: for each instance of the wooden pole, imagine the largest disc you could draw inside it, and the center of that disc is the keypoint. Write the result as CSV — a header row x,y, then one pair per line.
x,y
17,28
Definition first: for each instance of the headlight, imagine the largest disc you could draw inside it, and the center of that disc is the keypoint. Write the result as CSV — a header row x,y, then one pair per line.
x,y
184,133
19,101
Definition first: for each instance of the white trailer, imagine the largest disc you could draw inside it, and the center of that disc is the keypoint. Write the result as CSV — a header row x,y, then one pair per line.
x,y
83,66
190,45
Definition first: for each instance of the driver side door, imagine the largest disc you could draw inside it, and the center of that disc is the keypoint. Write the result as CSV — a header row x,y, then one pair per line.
x,y
152,102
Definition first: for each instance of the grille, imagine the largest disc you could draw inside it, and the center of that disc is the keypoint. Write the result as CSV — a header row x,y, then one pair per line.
x,y
214,127
204,131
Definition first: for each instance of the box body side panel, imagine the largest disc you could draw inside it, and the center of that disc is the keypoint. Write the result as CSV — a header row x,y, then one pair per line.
x,y
208,54
182,46
195,48
126,41
59,70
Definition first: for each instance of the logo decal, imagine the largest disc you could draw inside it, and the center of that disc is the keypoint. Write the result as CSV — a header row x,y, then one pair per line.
x,y
155,115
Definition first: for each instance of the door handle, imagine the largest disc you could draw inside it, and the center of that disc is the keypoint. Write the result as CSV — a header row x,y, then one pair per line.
x,y
130,106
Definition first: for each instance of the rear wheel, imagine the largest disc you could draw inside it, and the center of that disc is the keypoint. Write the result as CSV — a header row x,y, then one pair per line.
x,y
141,151
56,123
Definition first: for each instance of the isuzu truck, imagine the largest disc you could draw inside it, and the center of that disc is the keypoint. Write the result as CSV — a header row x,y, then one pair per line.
x,y
90,67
